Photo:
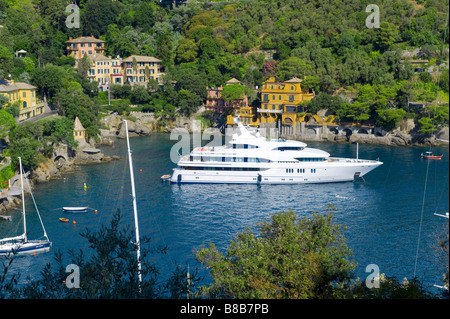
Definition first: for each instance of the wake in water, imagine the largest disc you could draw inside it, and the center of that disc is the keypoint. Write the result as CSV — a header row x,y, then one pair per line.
x,y
343,197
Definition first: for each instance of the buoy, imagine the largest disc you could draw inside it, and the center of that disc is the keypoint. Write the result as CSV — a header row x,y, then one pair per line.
x,y
140,170
95,211
85,186
34,254
74,222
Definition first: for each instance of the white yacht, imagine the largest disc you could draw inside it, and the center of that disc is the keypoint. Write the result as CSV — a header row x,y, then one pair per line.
x,y
251,158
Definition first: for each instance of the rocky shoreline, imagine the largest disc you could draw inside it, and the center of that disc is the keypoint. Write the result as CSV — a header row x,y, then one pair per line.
x,y
65,159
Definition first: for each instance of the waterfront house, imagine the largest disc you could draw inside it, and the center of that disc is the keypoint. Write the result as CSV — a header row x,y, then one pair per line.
x,y
280,100
24,95
279,103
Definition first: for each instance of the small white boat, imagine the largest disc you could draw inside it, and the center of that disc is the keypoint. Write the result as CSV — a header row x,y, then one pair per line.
x,y
75,209
166,177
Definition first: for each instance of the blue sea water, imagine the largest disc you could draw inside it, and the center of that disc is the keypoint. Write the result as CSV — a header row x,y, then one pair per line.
x,y
389,217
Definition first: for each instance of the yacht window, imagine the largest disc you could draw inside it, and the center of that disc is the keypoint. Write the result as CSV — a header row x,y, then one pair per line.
x,y
288,148
310,159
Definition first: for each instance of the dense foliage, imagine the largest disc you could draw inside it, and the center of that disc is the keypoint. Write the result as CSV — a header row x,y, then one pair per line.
x,y
295,258
361,71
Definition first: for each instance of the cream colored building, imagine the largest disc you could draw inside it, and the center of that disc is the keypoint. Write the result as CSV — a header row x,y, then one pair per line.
x,y
105,70
139,69
25,95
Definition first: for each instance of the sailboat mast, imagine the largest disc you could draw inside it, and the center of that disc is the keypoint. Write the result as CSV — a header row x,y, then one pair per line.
x,y
23,201
133,194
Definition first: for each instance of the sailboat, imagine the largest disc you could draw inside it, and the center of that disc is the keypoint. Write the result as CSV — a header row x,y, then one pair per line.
x,y
21,244
136,222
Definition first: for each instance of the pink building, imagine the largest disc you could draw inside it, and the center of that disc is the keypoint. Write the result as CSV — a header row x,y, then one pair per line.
x,y
214,101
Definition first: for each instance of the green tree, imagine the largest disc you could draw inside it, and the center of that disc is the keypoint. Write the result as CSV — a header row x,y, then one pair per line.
x,y
389,118
98,15
3,100
354,112
186,51
426,125
293,67
234,92
84,65
6,58
7,122
27,149
386,35
291,257
139,95
188,102
48,79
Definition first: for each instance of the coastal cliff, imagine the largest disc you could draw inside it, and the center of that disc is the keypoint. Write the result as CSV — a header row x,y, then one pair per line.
x,y
63,160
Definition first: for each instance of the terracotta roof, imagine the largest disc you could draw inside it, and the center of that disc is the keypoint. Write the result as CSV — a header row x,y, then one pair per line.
x,y
84,40
7,87
141,58
78,126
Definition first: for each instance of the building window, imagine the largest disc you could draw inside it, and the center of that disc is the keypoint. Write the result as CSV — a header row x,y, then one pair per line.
x,y
292,88
266,98
24,94
24,104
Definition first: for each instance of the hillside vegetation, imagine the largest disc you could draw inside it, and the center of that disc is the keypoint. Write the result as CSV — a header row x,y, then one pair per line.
x,y
358,73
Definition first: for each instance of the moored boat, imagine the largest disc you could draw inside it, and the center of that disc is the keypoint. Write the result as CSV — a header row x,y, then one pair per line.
x,y
430,155
254,159
21,244
75,209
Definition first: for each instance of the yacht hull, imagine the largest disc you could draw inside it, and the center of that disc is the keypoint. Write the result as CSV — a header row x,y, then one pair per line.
x,y
278,175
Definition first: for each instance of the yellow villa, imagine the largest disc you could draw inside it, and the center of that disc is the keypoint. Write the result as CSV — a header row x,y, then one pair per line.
x,y
25,95
279,102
